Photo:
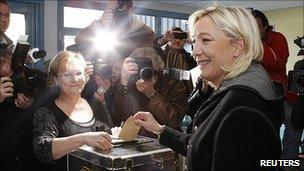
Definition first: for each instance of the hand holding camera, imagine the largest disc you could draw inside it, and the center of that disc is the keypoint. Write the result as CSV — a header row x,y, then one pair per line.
x,y
103,85
6,88
170,35
146,87
129,68
22,101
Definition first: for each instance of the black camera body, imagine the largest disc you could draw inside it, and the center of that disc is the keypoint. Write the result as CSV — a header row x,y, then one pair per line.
x,y
104,71
145,69
296,81
180,35
300,42
26,80
30,82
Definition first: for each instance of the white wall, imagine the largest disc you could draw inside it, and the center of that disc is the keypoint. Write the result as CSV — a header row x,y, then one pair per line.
x,y
290,22
50,28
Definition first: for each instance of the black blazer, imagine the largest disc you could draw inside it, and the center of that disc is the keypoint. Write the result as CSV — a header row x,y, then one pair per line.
x,y
233,130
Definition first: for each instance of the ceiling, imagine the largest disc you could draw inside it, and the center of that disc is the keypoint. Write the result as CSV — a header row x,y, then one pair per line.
x,y
259,4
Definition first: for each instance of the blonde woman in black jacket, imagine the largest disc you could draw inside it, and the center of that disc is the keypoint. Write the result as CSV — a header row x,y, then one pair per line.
x,y
237,127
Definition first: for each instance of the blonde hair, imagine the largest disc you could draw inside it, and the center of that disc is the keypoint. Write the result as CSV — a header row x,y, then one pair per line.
x,y
236,23
60,62
157,61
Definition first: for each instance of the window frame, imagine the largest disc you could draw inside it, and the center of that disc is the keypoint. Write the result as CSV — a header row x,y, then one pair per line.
x,y
34,19
158,14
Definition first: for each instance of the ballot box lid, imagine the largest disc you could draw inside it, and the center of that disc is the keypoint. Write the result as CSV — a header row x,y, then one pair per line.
x,y
138,152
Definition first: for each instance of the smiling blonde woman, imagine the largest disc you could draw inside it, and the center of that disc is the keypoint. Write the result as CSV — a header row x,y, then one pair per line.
x,y
238,125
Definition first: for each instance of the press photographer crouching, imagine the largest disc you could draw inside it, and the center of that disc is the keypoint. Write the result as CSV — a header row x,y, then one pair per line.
x,y
140,88
16,117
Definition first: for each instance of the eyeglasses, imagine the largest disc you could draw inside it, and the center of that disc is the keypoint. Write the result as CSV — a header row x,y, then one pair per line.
x,y
70,76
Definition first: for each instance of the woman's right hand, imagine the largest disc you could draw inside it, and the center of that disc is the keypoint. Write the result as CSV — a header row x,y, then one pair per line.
x,y
146,120
101,140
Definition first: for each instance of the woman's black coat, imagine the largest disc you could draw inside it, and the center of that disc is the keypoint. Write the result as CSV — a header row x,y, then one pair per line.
x,y
233,130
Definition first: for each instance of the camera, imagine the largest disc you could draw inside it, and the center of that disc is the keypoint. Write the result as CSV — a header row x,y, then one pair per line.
x,y
145,69
175,74
35,54
104,71
296,76
296,81
180,35
300,42
26,80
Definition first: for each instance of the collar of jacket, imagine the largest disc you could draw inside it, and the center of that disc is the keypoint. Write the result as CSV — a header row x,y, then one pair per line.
x,y
257,80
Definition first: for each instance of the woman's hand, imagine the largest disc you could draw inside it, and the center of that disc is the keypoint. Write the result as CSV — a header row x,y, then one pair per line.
x,y
101,140
146,120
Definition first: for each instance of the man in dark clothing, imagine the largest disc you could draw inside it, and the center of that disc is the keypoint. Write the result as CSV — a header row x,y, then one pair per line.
x,y
5,11
16,121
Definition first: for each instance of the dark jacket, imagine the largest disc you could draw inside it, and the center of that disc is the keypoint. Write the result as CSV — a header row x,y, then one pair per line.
x,y
168,105
235,128
297,117
7,39
16,152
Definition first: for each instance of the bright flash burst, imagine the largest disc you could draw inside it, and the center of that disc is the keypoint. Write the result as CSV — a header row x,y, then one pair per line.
x,y
105,41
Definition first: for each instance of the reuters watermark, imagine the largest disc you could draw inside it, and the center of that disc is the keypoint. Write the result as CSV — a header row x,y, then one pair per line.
x,y
284,163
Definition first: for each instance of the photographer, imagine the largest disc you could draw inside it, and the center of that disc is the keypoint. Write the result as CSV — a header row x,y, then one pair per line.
x,y
164,98
16,120
275,58
117,18
5,10
174,53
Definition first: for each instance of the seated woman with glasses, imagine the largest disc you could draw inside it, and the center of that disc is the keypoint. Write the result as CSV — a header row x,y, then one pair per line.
x,y
69,122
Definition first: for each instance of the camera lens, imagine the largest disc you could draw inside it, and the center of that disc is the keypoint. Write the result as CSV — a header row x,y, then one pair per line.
x,y
299,81
146,73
